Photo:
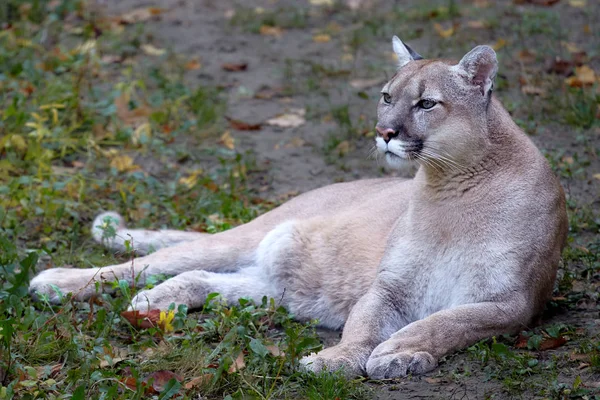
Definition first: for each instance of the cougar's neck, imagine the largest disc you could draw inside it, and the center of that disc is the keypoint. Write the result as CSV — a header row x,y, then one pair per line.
x,y
486,157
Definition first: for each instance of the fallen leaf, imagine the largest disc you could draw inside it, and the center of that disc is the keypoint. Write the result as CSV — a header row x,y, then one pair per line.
x,y
270,30
193,65
527,56
343,148
321,2
142,134
199,381
123,163
477,24
235,67
532,90
433,381
227,141
111,59
142,320
362,84
560,66
292,119
500,43
584,76
192,179
443,32
578,3
321,38
295,143
238,363
597,176
161,378
242,126
134,116
140,15
151,50
275,350
552,343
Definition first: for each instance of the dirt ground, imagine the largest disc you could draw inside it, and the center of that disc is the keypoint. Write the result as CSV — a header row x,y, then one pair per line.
x,y
330,62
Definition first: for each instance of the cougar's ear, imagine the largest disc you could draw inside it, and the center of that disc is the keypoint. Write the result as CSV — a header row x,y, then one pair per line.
x,y
404,53
481,66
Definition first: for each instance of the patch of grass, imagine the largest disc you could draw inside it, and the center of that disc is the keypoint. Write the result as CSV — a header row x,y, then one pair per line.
x,y
252,19
580,107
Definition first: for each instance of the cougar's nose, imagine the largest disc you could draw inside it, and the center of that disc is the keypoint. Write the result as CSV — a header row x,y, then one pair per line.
x,y
386,134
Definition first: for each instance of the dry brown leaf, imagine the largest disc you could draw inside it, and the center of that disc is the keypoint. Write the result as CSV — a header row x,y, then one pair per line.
x,y
152,51
532,90
243,126
321,38
275,350
561,67
444,32
270,30
527,56
343,148
235,67
199,381
140,15
292,119
295,143
552,343
477,24
433,381
238,364
227,141
584,76
362,84
500,43
193,65
142,320
161,378
131,117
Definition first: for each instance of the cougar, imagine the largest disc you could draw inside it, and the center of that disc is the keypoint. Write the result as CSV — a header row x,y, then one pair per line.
x,y
412,269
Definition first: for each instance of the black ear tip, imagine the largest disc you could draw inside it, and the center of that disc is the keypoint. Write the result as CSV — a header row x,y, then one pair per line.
x,y
415,56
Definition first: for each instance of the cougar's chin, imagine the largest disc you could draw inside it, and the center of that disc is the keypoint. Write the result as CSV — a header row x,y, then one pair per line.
x,y
398,161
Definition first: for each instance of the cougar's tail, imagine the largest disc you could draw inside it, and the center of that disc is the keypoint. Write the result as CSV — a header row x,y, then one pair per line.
x,y
109,229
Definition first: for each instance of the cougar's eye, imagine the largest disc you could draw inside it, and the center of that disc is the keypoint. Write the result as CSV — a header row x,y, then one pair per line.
x,y
386,98
426,104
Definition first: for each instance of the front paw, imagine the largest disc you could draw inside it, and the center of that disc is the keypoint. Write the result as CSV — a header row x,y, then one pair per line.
x,y
51,285
396,365
349,359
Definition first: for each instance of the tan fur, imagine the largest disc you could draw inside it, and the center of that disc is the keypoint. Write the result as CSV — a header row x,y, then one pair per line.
x,y
413,269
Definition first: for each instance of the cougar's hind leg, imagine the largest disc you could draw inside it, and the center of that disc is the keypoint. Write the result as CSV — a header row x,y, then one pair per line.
x,y
227,251
191,288
109,229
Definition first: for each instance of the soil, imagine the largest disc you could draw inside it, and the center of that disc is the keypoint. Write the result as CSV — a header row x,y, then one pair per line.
x,y
290,71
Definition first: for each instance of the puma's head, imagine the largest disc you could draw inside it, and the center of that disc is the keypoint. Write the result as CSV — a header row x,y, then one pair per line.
x,y
433,111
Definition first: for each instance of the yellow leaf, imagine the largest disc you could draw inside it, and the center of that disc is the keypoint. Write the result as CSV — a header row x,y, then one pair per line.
x,y
165,321
584,76
191,180
123,163
86,48
227,141
152,51
597,176
321,2
578,3
321,38
270,30
445,33
141,134
571,47
500,43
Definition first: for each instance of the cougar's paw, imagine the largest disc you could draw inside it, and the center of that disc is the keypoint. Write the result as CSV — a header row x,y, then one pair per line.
x,y
106,221
54,283
349,360
396,365
153,299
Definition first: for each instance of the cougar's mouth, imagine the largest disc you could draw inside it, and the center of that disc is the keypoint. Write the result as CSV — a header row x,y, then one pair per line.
x,y
406,151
